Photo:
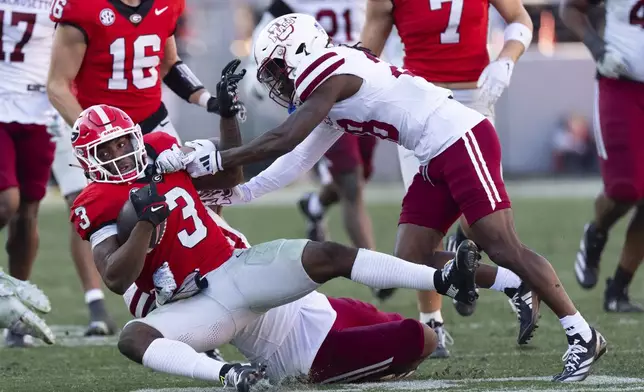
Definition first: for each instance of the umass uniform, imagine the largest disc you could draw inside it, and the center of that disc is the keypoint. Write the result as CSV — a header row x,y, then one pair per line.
x,y
318,338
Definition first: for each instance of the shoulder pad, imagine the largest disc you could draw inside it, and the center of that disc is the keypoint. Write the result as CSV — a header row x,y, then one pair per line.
x,y
312,72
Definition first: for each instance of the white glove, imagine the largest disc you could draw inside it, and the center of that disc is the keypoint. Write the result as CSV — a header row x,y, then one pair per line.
x,y
612,65
172,160
494,79
164,283
226,197
204,160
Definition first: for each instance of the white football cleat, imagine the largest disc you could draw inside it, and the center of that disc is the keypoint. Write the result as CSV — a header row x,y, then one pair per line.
x,y
27,292
19,319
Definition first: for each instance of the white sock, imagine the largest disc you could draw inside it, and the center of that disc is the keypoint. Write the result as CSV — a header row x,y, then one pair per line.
x,y
427,317
576,324
93,295
382,271
177,358
505,279
315,207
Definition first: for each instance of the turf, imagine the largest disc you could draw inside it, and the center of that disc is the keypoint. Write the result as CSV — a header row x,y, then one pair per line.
x,y
484,355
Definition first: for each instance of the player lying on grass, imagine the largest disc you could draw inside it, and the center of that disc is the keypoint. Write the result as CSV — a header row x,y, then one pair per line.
x,y
320,339
176,250
19,302
342,89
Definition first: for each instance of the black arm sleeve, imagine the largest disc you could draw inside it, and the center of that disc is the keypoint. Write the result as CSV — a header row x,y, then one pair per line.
x,y
182,81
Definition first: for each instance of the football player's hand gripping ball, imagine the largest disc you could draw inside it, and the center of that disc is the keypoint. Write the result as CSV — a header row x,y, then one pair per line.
x,y
149,205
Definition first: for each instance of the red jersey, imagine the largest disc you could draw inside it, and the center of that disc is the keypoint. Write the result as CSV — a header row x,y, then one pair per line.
x,y
125,46
445,40
192,238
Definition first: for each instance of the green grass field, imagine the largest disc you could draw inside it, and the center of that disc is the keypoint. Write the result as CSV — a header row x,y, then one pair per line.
x,y
484,357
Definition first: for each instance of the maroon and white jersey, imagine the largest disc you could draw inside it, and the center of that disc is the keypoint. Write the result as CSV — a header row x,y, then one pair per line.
x,y
624,32
392,104
26,44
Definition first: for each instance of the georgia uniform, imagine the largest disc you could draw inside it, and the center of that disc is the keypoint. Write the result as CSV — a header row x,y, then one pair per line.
x,y
26,149
121,66
619,104
343,21
318,338
445,42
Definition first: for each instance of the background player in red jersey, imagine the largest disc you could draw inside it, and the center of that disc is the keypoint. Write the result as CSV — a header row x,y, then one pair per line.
x,y
446,43
115,52
619,115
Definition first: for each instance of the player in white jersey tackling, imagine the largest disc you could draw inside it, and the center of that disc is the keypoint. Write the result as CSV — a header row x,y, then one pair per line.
x,y
341,89
619,115
26,149
349,160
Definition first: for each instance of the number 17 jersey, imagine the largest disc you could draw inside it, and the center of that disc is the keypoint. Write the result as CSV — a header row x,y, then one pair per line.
x,y
125,47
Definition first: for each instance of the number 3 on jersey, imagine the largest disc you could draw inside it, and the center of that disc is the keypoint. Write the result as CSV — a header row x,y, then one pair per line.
x,y
140,62
188,212
450,35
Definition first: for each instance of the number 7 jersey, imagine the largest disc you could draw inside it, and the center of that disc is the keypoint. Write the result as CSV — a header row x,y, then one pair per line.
x,y
191,240
125,46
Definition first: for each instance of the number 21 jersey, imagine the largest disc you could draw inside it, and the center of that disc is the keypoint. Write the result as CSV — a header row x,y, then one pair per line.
x,y
125,46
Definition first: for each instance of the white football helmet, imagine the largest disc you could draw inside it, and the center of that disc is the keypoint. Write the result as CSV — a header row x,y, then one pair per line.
x,y
280,47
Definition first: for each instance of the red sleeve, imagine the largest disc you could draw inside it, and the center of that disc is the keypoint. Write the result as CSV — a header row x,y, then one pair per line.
x,y
180,8
74,13
96,207
159,141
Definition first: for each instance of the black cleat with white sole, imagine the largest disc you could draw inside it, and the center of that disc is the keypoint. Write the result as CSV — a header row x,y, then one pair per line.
x,y
444,338
525,303
616,300
588,256
243,376
456,279
580,357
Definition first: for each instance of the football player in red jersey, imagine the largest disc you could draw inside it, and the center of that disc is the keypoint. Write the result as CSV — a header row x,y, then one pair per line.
x,y
115,52
446,43
193,266
619,114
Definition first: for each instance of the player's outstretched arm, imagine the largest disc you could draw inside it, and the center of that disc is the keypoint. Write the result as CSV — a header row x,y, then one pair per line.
x,y
378,25
297,126
67,55
574,14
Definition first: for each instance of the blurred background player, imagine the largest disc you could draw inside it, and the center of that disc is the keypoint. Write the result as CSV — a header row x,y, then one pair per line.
x,y
446,43
349,161
619,114
115,52
26,149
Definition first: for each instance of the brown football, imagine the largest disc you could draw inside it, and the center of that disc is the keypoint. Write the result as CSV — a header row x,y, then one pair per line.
x,y
126,221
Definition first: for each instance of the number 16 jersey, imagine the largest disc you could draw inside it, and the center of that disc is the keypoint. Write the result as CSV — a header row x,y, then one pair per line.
x,y
125,46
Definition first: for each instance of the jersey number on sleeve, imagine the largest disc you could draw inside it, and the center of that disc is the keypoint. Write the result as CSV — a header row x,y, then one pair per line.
x,y
333,28
450,35
637,14
81,213
188,212
16,19
140,63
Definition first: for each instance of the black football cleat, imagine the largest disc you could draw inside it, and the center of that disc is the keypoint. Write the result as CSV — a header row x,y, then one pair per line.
x,y
580,356
465,310
444,338
617,300
525,303
456,279
588,256
243,376
315,230
215,354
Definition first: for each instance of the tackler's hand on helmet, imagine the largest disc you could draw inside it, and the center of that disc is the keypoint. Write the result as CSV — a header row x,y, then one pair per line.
x,y
149,205
227,95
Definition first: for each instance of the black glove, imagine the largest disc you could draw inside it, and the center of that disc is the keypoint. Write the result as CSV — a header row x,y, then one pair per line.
x,y
149,205
227,100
